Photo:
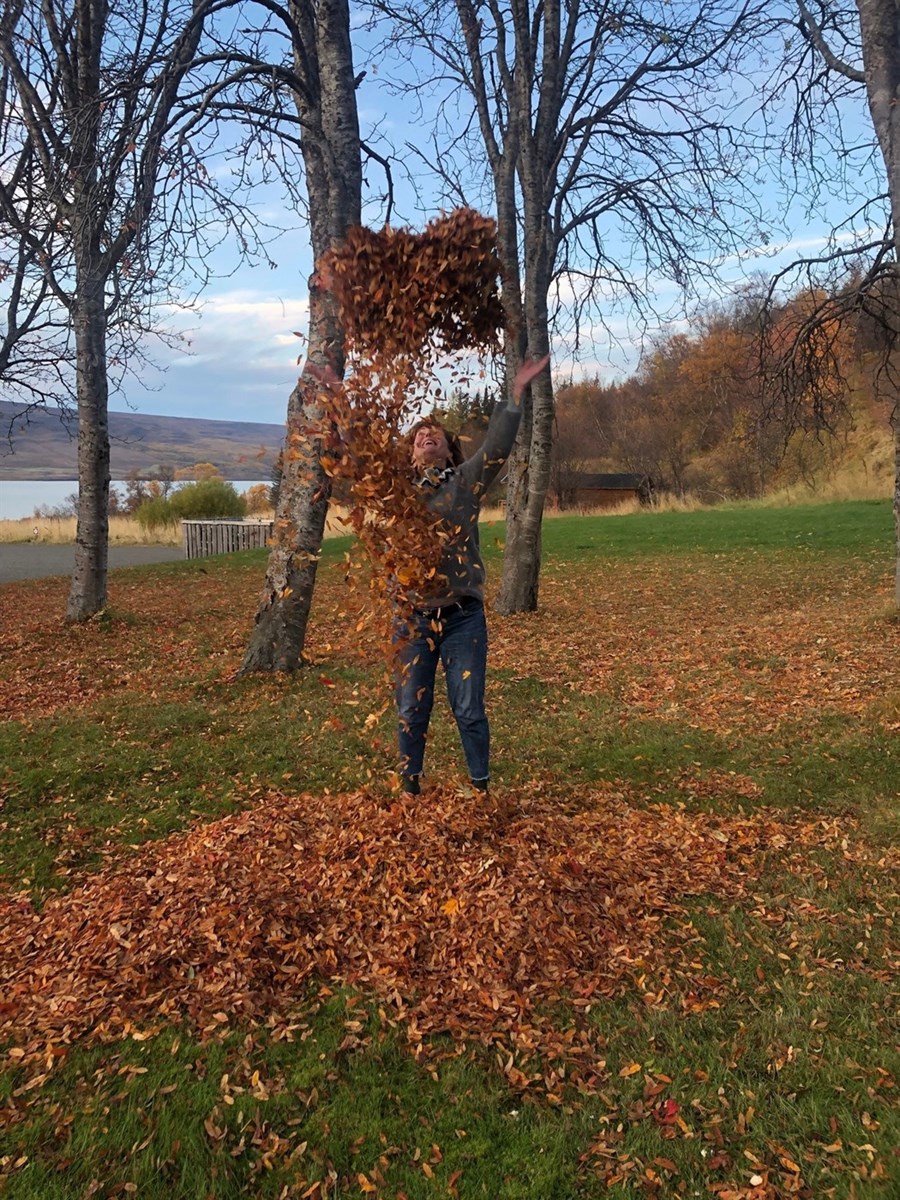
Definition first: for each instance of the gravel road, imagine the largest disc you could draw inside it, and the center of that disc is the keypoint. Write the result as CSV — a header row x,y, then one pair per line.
x,y
34,560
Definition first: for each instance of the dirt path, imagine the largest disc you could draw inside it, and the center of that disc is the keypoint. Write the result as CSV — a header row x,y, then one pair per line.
x,y
35,560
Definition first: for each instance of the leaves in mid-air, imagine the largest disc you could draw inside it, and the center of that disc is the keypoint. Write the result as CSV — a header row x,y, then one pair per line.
x,y
407,303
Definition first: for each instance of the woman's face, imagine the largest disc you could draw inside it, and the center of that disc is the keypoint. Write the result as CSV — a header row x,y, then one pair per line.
x,y
430,447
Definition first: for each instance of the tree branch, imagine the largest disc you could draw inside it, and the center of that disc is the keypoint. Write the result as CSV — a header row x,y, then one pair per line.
x,y
813,33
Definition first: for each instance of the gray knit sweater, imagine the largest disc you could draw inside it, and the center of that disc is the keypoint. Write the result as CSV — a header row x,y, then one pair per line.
x,y
455,495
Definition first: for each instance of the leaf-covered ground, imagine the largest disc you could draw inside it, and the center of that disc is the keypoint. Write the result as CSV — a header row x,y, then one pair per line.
x,y
671,938
469,922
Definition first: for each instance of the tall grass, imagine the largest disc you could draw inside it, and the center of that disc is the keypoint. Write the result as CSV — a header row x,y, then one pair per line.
x,y
123,531
663,503
856,481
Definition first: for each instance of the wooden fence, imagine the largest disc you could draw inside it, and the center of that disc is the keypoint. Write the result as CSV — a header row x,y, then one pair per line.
x,y
203,538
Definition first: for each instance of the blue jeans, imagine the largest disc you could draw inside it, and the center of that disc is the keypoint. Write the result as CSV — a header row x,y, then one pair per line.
x,y
458,636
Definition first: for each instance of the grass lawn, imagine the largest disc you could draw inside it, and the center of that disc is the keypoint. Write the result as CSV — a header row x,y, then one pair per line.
x,y
666,964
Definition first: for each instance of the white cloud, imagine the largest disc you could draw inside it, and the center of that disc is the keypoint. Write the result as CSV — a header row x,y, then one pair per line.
x,y
250,315
248,327
801,246
241,363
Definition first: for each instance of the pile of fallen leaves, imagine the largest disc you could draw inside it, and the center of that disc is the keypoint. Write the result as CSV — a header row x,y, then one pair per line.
x,y
462,920
406,302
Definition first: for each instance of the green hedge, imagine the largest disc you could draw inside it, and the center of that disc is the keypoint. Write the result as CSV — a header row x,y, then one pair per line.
x,y
208,499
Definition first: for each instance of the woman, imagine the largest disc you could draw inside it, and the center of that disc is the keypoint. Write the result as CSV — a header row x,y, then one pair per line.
x,y
450,624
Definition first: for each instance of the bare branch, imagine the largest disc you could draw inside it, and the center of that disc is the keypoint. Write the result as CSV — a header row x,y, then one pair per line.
x,y
811,29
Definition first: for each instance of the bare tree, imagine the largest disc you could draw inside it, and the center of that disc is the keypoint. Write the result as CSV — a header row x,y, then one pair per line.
x,y
615,152
844,51
879,32
102,197
324,87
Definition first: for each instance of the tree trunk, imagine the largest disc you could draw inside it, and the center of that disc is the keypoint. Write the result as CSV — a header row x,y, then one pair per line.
x,y
529,477
527,486
518,583
535,122
515,554
879,24
531,463
332,159
279,632
87,592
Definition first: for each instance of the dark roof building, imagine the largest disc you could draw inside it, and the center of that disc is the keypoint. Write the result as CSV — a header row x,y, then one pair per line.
x,y
585,489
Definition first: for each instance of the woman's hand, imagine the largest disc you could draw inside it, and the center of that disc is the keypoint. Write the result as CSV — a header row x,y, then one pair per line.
x,y
326,376
322,278
529,370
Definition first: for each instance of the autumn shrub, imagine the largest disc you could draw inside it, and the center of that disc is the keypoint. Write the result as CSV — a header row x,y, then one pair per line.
x,y
207,499
154,514
258,499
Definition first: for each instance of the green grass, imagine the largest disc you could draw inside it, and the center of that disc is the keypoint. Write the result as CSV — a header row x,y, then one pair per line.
x,y
203,1128
799,1060
856,526
145,768
783,1068
74,782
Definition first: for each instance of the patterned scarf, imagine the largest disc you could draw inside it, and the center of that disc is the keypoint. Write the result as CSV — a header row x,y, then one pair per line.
x,y
433,477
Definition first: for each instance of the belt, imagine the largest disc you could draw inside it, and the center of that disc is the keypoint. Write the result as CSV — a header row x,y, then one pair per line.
x,y
454,606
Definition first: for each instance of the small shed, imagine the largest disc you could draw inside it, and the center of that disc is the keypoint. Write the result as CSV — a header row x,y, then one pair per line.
x,y
584,489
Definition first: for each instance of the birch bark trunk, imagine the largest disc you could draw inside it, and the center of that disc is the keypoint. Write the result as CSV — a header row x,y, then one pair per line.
x,y
332,160
879,23
87,590
514,346
529,468
530,464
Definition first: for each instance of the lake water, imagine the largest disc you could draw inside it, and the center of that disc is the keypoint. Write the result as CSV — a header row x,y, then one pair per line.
x,y
20,497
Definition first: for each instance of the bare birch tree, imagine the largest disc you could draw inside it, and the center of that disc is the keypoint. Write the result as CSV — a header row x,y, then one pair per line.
x,y
849,49
615,153
324,90
102,203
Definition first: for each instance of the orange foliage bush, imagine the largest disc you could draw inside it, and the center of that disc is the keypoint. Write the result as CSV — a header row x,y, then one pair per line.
x,y
258,499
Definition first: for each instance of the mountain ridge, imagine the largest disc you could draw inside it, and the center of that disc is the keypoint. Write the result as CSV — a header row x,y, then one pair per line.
x,y
42,445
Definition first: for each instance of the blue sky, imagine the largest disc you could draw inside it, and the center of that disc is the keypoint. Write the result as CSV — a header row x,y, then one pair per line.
x,y
243,354
243,360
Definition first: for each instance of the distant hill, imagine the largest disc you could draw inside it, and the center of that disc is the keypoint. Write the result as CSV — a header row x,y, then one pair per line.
x,y
44,445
